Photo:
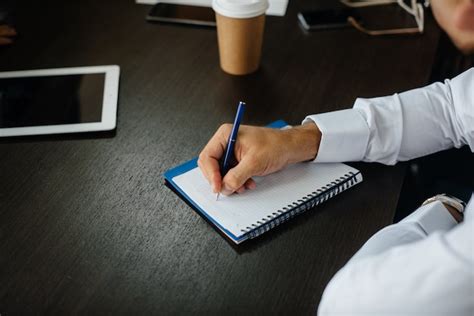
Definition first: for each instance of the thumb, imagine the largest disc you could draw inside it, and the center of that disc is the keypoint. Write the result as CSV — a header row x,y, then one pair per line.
x,y
237,176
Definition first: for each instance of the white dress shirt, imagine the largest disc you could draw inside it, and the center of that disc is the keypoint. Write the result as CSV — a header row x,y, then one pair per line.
x,y
423,265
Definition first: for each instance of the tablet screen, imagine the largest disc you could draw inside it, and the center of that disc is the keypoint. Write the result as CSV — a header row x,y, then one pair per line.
x,y
51,100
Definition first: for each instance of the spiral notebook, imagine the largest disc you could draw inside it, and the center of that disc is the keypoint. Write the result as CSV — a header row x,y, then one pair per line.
x,y
277,198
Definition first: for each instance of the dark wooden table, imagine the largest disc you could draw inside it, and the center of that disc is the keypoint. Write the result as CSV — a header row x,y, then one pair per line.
x,y
86,223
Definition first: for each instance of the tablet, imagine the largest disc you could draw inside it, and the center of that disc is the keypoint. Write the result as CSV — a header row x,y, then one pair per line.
x,y
56,101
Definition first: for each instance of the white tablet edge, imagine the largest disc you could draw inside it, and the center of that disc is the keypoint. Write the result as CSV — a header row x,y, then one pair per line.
x,y
109,103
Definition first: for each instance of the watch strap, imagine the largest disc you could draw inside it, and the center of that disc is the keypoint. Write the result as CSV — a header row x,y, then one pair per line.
x,y
450,200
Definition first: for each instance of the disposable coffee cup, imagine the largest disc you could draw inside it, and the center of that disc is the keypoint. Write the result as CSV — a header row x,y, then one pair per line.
x,y
240,26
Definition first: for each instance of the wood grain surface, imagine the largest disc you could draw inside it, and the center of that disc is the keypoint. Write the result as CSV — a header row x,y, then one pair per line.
x,y
86,222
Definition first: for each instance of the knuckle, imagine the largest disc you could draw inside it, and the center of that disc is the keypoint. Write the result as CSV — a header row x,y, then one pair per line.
x,y
201,157
226,127
254,164
253,161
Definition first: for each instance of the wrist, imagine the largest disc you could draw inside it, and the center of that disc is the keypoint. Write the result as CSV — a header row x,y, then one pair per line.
x,y
304,140
452,204
454,213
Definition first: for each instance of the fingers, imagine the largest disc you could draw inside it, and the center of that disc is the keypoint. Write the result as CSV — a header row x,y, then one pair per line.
x,y
250,184
240,190
211,154
239,177
210,168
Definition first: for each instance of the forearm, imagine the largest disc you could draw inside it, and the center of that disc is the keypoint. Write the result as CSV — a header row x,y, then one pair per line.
x,y
402,126
420,122
433,217
411,279
408,268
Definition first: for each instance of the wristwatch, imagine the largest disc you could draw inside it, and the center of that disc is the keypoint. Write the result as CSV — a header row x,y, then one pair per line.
x,y
450,200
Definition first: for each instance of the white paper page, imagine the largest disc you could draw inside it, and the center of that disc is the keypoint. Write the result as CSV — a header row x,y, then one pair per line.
x,y
277,7
273,192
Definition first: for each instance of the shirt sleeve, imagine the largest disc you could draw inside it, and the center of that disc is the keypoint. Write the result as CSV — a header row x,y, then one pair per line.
x,y
415,267
402,126
420,278
426,220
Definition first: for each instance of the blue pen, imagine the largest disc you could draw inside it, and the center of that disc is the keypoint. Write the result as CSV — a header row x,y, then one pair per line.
x,y
229,150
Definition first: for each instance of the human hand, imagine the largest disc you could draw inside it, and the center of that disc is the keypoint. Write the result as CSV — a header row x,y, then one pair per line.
x,y
259,151
6,32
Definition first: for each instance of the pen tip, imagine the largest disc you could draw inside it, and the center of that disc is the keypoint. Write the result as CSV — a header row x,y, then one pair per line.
x,y
217,197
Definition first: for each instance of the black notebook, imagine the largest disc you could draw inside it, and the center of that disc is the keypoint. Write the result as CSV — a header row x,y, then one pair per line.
x,y
277,197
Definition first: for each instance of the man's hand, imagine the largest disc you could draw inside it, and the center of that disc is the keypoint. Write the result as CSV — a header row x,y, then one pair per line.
x,y
259,151
5,33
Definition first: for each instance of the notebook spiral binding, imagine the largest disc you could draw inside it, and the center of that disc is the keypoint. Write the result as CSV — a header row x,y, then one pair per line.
x,y
305,203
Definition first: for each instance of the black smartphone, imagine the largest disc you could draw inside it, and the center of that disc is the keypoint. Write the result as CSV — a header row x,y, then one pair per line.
x,y
326,19
183,14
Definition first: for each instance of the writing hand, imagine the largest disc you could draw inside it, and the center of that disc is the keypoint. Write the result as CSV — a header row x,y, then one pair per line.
x,y
259,151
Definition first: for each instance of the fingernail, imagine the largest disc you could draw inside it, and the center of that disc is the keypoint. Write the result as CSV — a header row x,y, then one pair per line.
x,y
251,185
241,190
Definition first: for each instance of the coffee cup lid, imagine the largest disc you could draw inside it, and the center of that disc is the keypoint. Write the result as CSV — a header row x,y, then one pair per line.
x,y
240,9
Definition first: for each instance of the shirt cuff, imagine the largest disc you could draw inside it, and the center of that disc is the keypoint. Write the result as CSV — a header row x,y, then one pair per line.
x,y
344,135
432,217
